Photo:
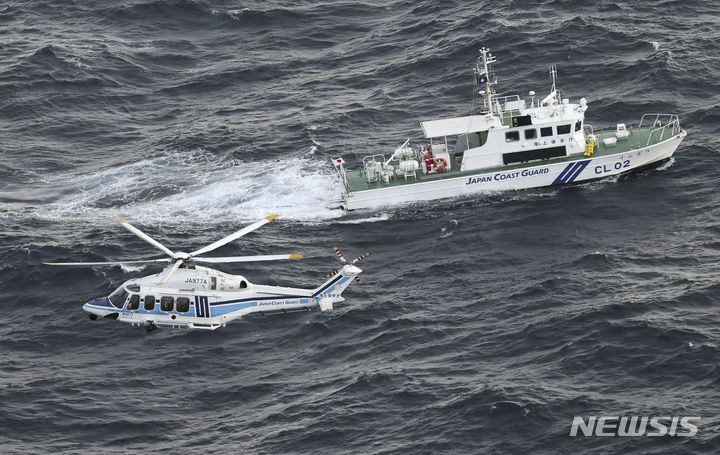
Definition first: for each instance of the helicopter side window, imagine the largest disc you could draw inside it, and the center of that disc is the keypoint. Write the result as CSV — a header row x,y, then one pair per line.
x,y
118,297
183,304
167,303
134,303
213,283
149,302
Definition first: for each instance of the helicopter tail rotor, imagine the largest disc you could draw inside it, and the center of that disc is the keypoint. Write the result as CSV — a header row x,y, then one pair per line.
x,y
339,254
345,262
360,258
332,274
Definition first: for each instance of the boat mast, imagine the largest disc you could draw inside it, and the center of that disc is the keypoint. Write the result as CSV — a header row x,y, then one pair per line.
x,y
483,77
556,93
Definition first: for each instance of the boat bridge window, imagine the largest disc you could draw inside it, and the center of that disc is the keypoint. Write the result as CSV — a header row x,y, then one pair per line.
x,y
183,304
563,129
547,131
167,303
577,126
531,133
118,297
532,155
522,120
512,136
133,287
134,303
149,303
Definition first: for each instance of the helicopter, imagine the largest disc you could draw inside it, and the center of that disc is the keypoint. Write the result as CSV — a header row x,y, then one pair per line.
x,y
186,295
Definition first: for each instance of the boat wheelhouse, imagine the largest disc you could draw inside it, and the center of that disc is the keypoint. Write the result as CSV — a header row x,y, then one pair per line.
x,y
509,145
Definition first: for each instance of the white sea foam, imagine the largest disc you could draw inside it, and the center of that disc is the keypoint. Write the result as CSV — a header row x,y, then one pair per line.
x,y
235,14
446,230
195,188
667,164
127,268
371,219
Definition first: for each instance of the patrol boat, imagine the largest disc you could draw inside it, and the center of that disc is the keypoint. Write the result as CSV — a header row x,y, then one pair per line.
x,y
508,145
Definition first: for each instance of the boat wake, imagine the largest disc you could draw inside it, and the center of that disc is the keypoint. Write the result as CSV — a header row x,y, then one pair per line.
x,y
192,187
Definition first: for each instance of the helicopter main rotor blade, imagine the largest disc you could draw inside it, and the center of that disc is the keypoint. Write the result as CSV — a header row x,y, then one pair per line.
x,y
271,257
170,273
146,237
109,262
234,236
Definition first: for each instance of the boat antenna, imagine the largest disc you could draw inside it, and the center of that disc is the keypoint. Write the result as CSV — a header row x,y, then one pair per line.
x,y
553,75
484,78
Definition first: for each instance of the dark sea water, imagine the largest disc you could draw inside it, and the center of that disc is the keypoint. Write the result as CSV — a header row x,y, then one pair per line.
x,y
485,324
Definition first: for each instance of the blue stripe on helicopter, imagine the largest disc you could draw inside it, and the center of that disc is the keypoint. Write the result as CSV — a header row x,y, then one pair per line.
x,y
230,308
571,171
278,297
202,307
219,311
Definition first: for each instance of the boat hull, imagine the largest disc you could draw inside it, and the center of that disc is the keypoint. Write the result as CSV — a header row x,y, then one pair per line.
x,y
544,174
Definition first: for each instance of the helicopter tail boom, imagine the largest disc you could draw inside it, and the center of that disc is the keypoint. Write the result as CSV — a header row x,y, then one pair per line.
x,y
330,291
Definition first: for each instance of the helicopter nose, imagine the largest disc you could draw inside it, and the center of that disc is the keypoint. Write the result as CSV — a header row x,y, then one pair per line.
x,y
97,307
97,304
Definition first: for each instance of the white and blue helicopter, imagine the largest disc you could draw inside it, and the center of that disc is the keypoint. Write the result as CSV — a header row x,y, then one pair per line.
x,y
187,295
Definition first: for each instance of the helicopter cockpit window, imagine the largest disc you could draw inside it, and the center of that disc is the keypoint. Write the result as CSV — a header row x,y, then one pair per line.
x,y
183,304
149,302
118,297
134,303
167,303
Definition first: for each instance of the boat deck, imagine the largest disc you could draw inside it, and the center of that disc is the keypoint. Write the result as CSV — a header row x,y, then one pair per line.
x,y
638,139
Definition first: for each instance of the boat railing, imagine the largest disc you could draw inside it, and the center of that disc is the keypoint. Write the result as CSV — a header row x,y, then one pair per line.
x,y
339,166
664,126
373,167
510,102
